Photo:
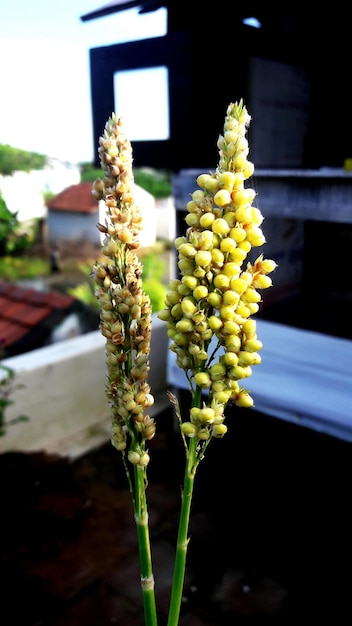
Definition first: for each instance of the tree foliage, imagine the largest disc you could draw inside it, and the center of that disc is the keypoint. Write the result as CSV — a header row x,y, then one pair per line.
x,y
14,159
13,239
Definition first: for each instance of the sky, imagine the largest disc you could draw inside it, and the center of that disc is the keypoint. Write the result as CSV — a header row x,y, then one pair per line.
x,y
45,102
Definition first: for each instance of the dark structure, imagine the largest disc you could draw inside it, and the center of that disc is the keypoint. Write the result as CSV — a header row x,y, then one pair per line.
x,y
290,72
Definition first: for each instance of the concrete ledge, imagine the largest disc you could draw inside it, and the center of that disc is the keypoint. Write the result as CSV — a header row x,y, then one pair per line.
x,y
61,388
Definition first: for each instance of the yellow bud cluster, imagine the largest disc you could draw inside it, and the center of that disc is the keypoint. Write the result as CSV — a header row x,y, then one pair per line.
x,y
125,310
219,289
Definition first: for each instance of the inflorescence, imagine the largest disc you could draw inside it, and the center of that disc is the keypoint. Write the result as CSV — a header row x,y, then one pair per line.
x,y
125,309
216,294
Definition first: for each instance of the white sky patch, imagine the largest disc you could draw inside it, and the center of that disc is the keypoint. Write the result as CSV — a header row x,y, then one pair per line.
x,y
45,103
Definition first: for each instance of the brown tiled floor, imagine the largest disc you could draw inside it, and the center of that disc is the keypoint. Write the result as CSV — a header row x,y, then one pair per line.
x,y
269,536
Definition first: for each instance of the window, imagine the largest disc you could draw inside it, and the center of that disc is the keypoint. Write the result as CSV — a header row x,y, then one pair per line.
x,y
142,100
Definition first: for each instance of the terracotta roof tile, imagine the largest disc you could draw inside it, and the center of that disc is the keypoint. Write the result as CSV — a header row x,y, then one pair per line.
x,y
76,198
23,309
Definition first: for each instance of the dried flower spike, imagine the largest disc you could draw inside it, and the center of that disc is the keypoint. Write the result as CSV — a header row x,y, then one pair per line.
x,y
125,310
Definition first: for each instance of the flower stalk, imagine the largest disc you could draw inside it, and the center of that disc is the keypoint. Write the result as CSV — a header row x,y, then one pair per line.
x,y
125,322
208,313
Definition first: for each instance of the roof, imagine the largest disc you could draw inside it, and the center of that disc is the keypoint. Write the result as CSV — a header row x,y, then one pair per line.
x,y
269,13
25,310
123,5
76,198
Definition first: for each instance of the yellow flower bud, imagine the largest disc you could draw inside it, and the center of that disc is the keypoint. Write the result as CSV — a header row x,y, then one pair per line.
x,y
133,457
198,196
205,240
192,219
227,180
250,328
217,371
176,310
217,257
186,266
208,182
255,236
222,197
190,281
244,400
164,315
200,292
231,327
203,434
202,380
262,281
172,297
227,244
214,299
215,323
219,430
188,307
251,295
233,343
188,429
144,459
203,258
238,234
206,220
192,206
268,266
184,326
220,226
206,415
231,269
180,339
227,312
221,281
229,359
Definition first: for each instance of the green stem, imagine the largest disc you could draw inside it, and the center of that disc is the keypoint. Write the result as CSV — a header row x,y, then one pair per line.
x,y
182,537
141,519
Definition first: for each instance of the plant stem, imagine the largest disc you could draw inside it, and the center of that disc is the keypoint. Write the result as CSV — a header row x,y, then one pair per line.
x,y
141,518
182,537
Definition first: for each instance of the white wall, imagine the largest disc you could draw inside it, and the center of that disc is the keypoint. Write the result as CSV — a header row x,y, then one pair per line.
x,y
23,191
61,388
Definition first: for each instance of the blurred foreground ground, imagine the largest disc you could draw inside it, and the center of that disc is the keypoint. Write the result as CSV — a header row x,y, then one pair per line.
x,y
270,531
